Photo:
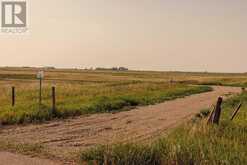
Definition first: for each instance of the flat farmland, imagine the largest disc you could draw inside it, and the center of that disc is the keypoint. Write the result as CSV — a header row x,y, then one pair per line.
x,y
81,92
100,107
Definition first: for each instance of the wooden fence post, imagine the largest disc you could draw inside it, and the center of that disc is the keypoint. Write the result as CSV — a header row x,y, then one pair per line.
x,y
236,111
13,96
53,100
210,117
40,93
217,112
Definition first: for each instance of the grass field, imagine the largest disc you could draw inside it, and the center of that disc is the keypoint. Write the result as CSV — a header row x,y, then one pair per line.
x,y
82,92
85,92
192,143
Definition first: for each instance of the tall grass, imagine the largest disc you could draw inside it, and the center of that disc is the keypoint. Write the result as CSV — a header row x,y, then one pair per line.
x,y
192,143
75,98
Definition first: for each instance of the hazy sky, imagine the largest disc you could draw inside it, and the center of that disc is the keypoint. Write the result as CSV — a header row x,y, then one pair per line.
x,y
185,35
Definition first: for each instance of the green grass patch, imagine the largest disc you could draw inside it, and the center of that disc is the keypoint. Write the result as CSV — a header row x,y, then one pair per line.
x,y
79,99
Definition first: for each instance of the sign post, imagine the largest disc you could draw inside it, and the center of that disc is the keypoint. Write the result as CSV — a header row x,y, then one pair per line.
x,y
40,76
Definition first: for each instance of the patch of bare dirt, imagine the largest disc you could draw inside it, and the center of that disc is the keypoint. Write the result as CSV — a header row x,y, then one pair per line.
x,y
7,158
72,135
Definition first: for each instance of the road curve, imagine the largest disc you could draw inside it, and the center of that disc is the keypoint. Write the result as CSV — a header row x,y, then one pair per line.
x,y
62,137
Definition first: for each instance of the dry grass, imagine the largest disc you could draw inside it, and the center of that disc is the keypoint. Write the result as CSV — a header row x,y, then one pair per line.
x,y
83,92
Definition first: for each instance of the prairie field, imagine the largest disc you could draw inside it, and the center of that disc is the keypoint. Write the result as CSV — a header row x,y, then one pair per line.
x,y
89,105
85,92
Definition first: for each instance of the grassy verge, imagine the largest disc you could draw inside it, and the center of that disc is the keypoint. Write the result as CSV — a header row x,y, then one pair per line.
x,y
193,143
77,99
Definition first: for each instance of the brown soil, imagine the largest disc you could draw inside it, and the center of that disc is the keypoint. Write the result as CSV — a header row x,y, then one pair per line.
x,y
66,136
7,158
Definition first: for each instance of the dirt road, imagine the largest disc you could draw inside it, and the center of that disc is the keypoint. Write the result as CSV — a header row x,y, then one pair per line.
x,y
62,137
7,158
